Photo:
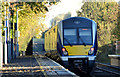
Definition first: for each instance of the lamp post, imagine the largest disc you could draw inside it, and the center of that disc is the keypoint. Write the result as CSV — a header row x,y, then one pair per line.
x,y
17,34
6,39
17,16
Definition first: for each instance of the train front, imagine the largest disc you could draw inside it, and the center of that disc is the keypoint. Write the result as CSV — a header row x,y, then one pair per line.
x,y
79,42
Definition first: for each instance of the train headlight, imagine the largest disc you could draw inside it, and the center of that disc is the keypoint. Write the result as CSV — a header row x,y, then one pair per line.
x,y
64,51
91,51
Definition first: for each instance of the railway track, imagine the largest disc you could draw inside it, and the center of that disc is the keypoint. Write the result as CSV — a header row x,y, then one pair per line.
x,y
101,70
109,69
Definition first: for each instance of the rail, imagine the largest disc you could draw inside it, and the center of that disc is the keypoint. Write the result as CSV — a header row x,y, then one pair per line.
x,y
108,68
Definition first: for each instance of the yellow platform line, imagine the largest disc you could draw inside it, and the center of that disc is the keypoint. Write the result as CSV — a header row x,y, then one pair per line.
x,y
41,67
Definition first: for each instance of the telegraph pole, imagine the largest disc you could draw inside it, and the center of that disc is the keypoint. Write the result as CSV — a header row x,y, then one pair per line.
x,y
1,45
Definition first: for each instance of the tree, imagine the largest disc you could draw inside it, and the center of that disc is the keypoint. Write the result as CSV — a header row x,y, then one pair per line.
x,y
105,15
31,22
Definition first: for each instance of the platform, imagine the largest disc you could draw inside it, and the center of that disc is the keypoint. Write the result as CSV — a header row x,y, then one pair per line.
x,y
115,60
36,65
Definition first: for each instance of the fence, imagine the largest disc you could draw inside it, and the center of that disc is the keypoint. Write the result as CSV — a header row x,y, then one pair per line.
x,y
118,47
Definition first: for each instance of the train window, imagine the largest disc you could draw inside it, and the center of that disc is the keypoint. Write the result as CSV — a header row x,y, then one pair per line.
x,y
70,36
54,30
85,36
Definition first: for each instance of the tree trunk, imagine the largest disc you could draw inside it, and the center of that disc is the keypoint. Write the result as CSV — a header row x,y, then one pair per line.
x,y
29,50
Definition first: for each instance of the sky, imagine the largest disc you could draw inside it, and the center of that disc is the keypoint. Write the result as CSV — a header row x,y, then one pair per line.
x,y
64,8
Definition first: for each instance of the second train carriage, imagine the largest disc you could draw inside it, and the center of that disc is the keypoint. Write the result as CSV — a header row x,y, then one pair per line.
x,y
73,41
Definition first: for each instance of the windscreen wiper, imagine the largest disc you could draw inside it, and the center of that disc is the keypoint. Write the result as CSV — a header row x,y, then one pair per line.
x,y
82,41
68,42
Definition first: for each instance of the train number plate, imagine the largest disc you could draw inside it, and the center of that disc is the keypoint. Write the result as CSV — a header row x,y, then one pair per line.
x,y
77,61
91,58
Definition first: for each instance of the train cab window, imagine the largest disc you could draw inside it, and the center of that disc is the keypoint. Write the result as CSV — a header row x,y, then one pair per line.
x,y
85,36
70,36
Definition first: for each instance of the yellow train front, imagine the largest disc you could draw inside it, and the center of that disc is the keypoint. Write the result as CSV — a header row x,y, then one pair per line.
x,y
73,41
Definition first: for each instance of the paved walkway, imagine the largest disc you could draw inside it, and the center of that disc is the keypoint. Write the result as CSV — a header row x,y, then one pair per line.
x,y
35,66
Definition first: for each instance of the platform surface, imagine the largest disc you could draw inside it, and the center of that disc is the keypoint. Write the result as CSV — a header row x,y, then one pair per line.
x,y
36,65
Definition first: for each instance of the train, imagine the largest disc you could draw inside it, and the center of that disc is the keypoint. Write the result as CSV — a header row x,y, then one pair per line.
x,y
73,42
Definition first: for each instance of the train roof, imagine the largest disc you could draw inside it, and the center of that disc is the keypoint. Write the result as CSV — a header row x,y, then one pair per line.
x,y
77,18
73,19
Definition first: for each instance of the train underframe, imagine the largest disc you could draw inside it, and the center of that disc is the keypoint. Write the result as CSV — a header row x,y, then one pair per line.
x,y
84,64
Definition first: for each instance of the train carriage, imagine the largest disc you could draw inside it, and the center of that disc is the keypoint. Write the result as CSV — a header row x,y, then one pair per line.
x,y
73,41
